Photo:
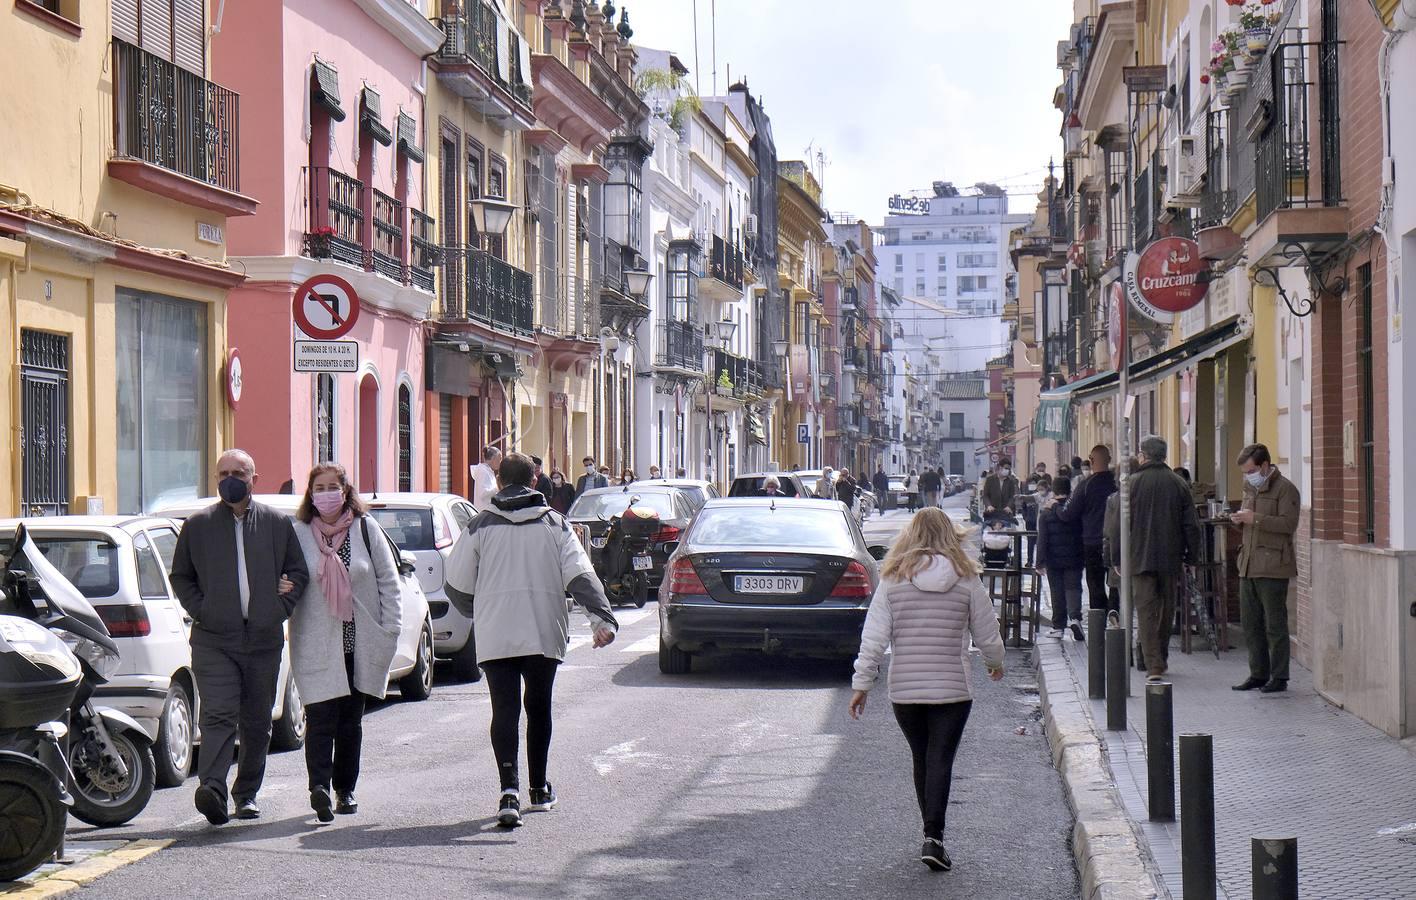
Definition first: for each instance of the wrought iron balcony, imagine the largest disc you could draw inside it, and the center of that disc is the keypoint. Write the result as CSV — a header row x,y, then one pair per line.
x,y
424,250
726,263
387,253
1280,128
335,223
498,294
470,37
679,346
746,375
175,119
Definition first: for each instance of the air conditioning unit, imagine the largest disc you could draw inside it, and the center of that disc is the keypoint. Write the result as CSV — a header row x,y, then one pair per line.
x,y
751,224
1185,166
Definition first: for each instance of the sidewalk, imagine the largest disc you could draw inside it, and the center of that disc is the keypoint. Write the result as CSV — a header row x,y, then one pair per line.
x,y
1285,764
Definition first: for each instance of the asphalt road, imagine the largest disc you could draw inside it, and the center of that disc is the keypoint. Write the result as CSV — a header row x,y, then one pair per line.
x,y
746,778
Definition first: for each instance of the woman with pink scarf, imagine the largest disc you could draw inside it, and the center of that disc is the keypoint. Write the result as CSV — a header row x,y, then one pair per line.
x,y
344,635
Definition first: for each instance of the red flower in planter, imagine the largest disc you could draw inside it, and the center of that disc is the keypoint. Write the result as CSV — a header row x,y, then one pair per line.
x,y
324,231
1205,79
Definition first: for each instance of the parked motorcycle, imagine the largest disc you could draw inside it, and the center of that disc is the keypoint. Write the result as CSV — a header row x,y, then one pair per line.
x,y
625,561
110,757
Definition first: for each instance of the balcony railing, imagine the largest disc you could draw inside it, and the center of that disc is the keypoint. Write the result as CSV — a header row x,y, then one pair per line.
x,y
726,262
424,250
470,33
747,375
167,116
388,236
613,270
1217,200
498,294
335,228
1283,158
680,346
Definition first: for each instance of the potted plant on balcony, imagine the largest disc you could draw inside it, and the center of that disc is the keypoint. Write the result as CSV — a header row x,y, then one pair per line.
x,y
317,241
724,387
1257,24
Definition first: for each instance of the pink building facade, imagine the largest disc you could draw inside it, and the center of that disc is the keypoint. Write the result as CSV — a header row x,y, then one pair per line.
x,y
334,95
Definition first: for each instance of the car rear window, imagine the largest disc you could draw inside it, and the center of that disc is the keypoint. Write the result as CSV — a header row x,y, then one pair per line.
x,y
814,529
90,563
748,487
593,506
410,527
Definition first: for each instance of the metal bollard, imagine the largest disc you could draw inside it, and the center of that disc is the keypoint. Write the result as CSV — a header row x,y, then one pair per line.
x,y
1096,654
1197,816
1160,751
1117,676
1275,867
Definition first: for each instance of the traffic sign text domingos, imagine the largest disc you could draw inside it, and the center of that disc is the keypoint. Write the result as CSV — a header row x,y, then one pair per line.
x,y
325,307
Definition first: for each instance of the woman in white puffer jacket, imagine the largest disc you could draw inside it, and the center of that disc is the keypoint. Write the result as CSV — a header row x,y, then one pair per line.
x,y
930,602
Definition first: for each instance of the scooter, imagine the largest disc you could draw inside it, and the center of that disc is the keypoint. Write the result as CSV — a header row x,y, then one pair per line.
x,y
624,563
109,756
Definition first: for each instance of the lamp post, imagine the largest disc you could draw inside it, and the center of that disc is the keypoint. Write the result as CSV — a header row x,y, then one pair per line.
x,y
638,282
491,215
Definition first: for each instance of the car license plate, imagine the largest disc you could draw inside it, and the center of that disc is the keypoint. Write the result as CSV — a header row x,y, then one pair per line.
x,y
768,584
598,542
643,562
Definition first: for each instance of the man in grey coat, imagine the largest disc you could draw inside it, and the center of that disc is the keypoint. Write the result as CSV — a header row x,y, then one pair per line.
x,y
238,571
1165,537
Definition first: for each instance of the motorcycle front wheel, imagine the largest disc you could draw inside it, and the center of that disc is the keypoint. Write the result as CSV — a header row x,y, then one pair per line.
x,y
641,590
102,796
33,824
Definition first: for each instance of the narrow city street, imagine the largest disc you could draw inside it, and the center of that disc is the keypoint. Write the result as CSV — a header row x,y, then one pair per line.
x,y
746,778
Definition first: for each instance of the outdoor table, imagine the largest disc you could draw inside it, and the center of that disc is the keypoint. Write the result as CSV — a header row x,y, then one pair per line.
x,y
1020,595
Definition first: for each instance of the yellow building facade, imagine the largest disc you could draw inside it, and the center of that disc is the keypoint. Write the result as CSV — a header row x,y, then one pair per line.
x,y
118,173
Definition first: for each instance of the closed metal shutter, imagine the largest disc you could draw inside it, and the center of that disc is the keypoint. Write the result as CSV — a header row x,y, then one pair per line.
x,y
157,28
189,35
445,443
125,20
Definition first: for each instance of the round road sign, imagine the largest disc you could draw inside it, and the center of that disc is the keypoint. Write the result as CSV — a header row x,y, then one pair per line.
x,y
325,307
235,378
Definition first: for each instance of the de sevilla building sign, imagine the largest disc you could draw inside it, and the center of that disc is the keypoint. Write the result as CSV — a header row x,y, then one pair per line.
x,y
1166,278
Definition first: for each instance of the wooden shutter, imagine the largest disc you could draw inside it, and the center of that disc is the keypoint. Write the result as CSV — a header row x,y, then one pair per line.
x,y
157,27
189,35
125,20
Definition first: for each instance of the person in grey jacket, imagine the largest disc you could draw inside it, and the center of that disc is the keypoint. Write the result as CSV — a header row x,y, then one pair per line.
x,y
344,636
928,605
238,572
511,571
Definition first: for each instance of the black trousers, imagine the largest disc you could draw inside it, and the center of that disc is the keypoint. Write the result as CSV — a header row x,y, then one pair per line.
x,y
334,737
505,678
933,731
1099,594
1065,585
237,690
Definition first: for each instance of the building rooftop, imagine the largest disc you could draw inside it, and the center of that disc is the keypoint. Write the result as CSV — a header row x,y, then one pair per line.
x,y
961,389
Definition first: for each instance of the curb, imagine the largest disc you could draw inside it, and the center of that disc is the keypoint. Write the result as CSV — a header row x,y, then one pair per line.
x,y
1111,858
91,869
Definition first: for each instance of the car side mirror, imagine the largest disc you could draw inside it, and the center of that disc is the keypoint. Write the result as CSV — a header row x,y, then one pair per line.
x,y
407,563
877,551
670,548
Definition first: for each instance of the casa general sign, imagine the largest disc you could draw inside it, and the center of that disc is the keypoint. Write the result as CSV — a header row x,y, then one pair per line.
x,y
1168,277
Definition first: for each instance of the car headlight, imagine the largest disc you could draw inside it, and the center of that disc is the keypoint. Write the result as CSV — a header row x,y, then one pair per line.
x,y
38,645
104,661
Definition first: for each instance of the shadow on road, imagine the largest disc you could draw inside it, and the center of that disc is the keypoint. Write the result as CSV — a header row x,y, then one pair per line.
x,y
757,672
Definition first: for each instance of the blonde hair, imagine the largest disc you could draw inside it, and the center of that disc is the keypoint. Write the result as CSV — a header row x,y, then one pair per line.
x,y
930,533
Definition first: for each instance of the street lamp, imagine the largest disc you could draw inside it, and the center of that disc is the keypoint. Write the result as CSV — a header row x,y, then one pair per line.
x,y
779,349
491,215
725,330
638,281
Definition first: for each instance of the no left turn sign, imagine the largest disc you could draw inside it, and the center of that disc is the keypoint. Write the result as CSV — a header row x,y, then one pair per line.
x,y
325,307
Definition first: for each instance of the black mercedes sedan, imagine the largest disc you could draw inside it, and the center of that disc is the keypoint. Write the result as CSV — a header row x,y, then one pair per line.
x,y
779,574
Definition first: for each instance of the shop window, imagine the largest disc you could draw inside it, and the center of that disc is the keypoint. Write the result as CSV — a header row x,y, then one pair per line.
x,y
162,400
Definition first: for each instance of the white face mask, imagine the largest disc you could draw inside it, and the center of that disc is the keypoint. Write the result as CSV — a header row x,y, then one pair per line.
x,y
589,470
1256,479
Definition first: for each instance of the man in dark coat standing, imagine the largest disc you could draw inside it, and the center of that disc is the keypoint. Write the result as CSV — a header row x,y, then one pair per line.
x,y
930,484
1000,492
880,483
846,488
1088,509
1165,537
238,571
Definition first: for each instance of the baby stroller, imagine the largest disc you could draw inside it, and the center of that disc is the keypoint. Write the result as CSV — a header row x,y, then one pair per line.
x,y
997,546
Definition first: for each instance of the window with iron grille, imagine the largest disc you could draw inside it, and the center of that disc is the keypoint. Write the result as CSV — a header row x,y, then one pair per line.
x,y
1366,402
405,438
44,430
452,262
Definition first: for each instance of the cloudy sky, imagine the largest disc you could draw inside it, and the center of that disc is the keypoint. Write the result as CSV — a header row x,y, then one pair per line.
x,y
895,93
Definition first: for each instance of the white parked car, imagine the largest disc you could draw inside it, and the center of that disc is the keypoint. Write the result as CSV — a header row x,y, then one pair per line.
x,y
427,525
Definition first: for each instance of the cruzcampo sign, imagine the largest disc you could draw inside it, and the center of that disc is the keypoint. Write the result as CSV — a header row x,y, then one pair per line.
x,y
1166,278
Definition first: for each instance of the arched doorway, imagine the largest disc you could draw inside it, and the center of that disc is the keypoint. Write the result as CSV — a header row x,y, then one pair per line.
x,y
368,458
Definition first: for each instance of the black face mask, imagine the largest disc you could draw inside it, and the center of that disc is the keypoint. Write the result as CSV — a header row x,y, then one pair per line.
x,y
233,490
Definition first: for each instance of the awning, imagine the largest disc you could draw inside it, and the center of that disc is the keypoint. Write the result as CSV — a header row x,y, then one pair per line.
x,y
1003,441
1053,419
408,137
326,90
370,118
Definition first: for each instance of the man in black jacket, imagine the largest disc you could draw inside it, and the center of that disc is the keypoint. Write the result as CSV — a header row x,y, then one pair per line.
x,y
880,483
930,484
591,479
1059,558
1087,508
238,571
